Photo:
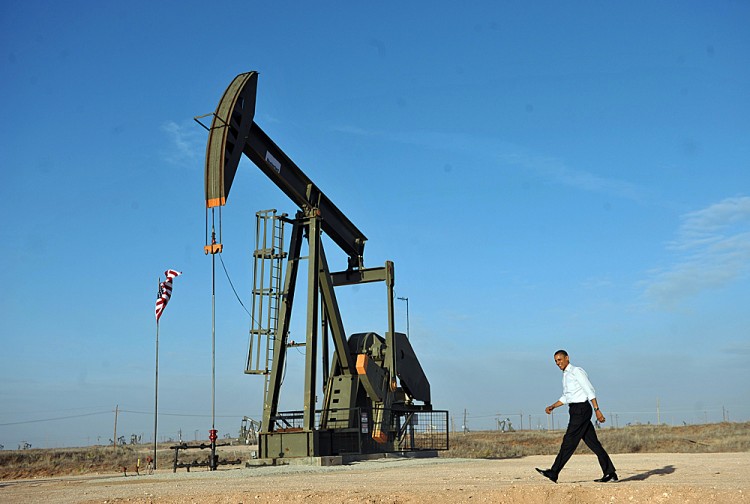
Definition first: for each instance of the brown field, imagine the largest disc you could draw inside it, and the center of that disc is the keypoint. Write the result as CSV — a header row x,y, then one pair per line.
x,y
708,438
707,463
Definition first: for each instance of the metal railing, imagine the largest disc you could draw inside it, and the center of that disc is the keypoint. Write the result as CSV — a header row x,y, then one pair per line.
x,y
409,430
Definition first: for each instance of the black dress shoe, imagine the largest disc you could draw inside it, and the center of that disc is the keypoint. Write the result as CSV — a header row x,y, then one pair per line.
x,y
607,477
549,474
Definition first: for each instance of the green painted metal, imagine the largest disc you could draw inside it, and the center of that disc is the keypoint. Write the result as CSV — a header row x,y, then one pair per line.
x,y
311,348
333,316
233,133
271,399
230,125
363,407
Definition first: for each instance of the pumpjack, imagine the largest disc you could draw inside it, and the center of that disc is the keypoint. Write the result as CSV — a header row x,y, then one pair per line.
x,y
376,396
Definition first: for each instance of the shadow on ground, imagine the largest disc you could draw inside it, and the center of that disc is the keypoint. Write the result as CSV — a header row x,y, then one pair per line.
x,y
653,472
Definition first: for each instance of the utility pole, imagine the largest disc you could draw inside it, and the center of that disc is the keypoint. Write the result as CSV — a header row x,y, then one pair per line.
x,y
114,439
658,413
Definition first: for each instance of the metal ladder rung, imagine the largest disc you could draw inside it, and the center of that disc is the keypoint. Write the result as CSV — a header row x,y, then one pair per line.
x,y
266,293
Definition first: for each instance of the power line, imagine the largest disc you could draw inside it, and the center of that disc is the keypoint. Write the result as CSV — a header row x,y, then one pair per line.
x,y
56,418
39,420
177,414
46,411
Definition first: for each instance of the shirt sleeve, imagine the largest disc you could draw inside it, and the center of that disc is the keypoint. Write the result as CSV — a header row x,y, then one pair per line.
x,y
583,380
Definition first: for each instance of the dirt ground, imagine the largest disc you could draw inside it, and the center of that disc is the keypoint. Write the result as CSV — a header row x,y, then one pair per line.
x,y
657,477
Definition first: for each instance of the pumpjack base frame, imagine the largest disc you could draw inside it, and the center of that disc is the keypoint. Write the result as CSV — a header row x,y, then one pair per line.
x,y
414,432
305,444
335,460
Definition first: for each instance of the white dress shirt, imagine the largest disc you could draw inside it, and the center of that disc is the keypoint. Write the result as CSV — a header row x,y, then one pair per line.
x,y
576,386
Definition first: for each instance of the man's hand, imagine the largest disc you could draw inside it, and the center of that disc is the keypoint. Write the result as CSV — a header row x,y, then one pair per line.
x,y
549,408
600,416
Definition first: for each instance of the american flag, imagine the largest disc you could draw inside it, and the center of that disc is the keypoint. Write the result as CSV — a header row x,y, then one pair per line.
x,y
165,292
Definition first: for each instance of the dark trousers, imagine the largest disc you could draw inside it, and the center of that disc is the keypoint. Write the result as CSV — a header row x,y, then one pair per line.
x,y
580,427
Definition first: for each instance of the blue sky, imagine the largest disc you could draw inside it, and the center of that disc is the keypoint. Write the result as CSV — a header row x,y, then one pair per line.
x,y
543,176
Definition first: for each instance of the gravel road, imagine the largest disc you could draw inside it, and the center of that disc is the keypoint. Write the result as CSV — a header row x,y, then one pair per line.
x,y
658,477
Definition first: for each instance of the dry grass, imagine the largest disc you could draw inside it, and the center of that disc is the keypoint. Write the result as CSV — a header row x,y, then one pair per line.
x,y
68,461
722,437
37,463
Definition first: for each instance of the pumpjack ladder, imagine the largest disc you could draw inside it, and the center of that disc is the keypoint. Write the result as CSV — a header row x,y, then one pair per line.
x,y
266,295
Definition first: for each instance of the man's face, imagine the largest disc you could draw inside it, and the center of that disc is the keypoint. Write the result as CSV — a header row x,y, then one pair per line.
x,y
562,361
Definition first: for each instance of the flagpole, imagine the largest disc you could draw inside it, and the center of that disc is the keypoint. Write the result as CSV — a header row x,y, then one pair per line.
x,y
164,293
156,389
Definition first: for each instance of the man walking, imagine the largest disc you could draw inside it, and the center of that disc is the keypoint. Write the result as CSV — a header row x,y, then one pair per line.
x,y
577,392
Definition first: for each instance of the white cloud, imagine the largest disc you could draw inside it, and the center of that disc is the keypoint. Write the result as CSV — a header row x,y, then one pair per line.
x,y
737,348
712,250
554,171
354,130
547,169
187,143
